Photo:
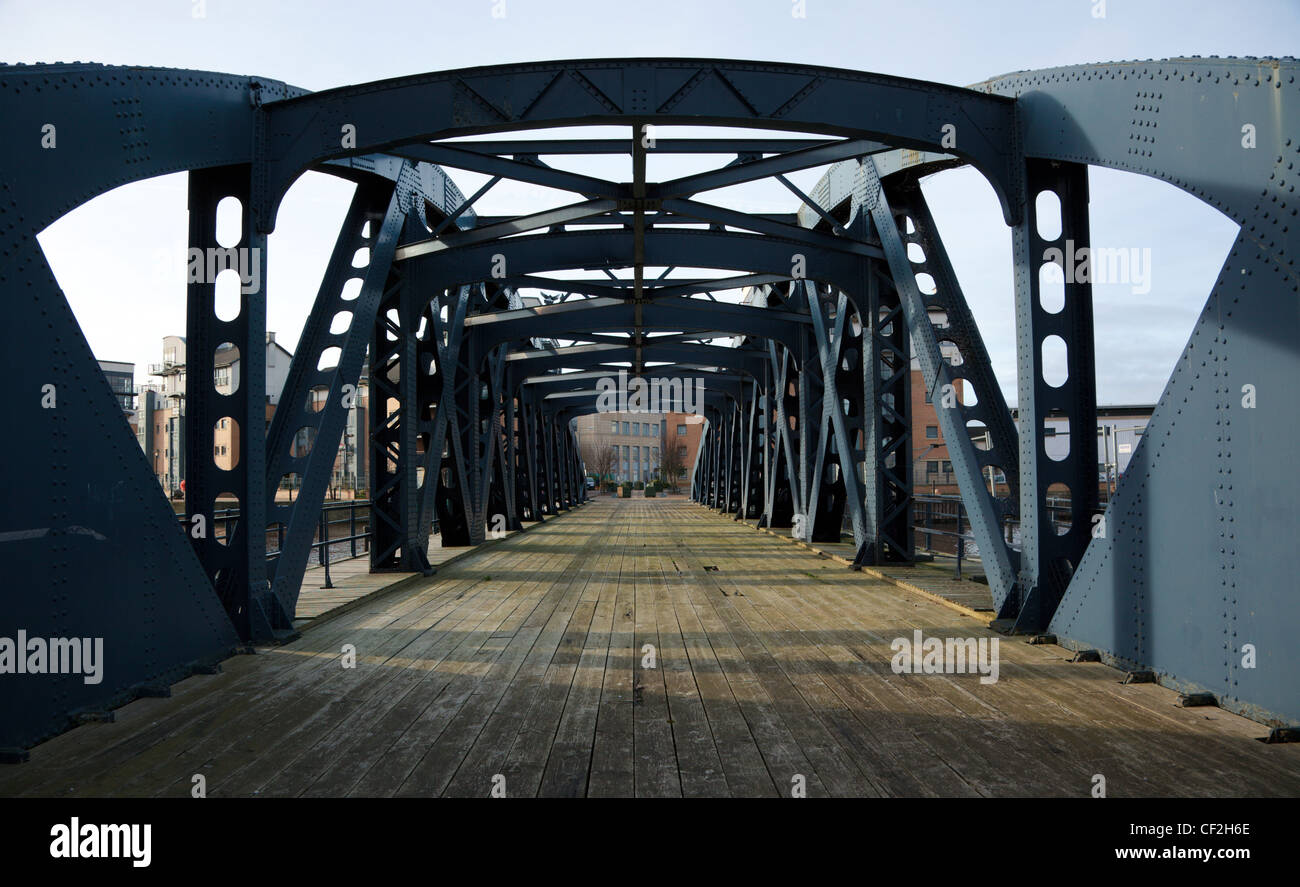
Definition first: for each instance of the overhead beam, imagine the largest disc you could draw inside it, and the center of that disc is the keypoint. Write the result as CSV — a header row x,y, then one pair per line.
x,y
618,146
519,171
805,158
519,225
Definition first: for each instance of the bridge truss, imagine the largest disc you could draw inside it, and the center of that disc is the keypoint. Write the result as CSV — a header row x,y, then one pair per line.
x,y
808,404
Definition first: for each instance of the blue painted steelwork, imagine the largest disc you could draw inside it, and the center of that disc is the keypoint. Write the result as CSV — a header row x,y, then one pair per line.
x,y
473,391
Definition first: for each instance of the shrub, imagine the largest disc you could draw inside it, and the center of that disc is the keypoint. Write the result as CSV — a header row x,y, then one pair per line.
x,y
638,486
626,492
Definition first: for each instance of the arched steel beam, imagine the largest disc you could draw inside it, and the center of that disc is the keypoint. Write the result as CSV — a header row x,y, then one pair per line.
x,y
110,125
304,131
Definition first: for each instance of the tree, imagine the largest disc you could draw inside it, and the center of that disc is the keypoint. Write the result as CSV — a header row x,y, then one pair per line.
x,y
671,464
603,462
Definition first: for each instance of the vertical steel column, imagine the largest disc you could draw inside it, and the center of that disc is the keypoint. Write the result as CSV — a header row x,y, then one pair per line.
x,y
394,407
886,378
516,474
732,499
806,402
547,444
441,417
528,434
236,565
784,493
751,469
1049,554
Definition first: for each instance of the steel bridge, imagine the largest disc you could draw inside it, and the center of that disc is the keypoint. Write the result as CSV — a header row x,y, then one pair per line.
x,y
807,382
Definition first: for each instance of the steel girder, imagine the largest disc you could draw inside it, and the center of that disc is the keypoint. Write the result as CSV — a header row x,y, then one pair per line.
x,y
838,484
1186,571
373,223
236,563
1050,553
676,247
303,131
525,363
165,618
940,378
394,425
885,367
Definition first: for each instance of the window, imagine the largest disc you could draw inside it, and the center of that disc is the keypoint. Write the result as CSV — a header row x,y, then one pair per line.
x,y
681,452
613,428
932,431
636,429
947,468
625,431
681,430
931,467
927,396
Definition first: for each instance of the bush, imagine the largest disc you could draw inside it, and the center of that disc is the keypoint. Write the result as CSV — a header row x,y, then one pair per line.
x,y
638,486
626,491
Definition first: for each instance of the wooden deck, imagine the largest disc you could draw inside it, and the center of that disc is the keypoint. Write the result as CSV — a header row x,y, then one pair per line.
x,y
524,661
353,581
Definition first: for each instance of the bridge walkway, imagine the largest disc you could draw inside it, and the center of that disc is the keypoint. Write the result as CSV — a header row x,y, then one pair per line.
x,y
523,667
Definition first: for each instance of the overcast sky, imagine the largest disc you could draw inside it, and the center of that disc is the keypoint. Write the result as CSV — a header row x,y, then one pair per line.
x,y
120,259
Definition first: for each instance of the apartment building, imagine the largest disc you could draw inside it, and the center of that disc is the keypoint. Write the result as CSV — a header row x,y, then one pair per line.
x,y
640,440
121,378
161,409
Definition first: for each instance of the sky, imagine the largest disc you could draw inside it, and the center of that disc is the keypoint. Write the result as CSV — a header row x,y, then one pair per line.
x,y
120,257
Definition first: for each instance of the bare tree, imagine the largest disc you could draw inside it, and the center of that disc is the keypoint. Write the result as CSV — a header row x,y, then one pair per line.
x,y
603,461
671,464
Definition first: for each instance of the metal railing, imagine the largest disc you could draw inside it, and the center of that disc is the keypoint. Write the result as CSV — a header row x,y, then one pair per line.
x,y
945,517
227,518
